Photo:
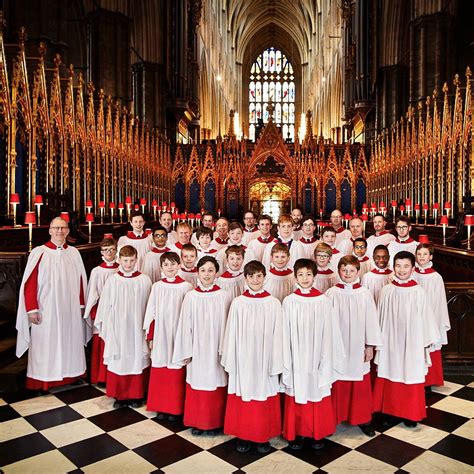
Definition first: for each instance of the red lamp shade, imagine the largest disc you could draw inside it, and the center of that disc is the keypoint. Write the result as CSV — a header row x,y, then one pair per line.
x,y
354,213
444,220
426,207
198,216
347,217
15,198
436,205
417,207
120,205
394,203
30,217
373,206
382,205
191,216
128,200
423,239
159,208
447,205
136,207
469,219
364,217
364,206
142,202
164,203
102,204
183,215
112,205
173,204
108,236
407,202
38,200
65,216
89,217
154,203
402,208
175,215
88,203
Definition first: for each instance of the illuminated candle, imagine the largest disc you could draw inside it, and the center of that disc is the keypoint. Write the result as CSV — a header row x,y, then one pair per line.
x,y
30,219
383,209
198,219
402,209
394,209
38,204
143,204
154,205
447,208
347,218
120,209
417,212
14,201
89,206
102,210
444,221
425,211
90,220
128,204
173,206
112,209
408,206
469,221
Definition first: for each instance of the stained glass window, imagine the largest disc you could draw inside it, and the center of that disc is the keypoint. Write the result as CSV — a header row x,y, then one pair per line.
x,y
272,81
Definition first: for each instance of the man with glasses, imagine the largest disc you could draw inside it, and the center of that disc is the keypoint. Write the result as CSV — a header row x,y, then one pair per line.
x,y
251,231
336,222
51,305
403,240
381,236
151,264
307,237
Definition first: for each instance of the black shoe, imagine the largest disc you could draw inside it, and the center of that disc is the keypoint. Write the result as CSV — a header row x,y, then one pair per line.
x,y
78,382
40,393
388,421
101,384
263,448
367,429
120,403
318,444
197,432
173,417
213,432
242,446
297,443
135,403
161,416
410,423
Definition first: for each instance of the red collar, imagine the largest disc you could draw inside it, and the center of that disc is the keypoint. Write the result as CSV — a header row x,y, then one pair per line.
x,y
363,259
110,267
313,292
325,272
265,241
254,229
340,230
426,271
177,279
53,246
221,241
133,236
382,233
263,294
179,245
408,284
214,288
408,241
133,275
208,250
334,251
304,240
227,274
193,270
385,271
277,272
355,286
157,250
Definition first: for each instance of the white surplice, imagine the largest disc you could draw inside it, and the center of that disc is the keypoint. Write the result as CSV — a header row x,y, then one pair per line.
x,y
325,278
191,276
232,282
384,238
409,330
248,236
398,245
119,320
342,234
280,283
141,243
358,321
221,256
199,335
258,246
164,308
151,264
252,350
375,280
308,246
295,248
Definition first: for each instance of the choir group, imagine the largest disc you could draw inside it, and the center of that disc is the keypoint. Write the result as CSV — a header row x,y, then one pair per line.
x,y
233,328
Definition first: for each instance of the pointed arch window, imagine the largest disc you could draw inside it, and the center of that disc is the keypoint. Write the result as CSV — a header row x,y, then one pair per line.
x,y
272,81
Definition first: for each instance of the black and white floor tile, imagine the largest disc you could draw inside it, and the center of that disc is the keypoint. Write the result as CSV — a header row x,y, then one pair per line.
x,y
76,429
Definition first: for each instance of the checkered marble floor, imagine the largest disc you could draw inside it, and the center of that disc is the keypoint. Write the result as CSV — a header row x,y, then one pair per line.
x,y
76,429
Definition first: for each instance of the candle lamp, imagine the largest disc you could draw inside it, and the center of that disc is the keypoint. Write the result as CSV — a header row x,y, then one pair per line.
x,y
417,212
383,208
469,221
444,221
128,205
425,212
198,219
373,209
136,207
89,206
408,206
402,209
447,208
164,205
347,218
435,212
102,210
154,205
183,216
108,235
120,209
112,209
143,204
423,239
365,208
90,220
30,219
173,207
14,201
191,218
65,216
394,209
38,204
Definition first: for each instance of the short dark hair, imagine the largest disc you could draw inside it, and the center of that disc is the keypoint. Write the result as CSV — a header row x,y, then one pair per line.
x,y
349,260
251,212
379,214
308,218
405,219
108,242
328,228
265,217
128,251
254,267
204,231
137,214
189,247
171,256
380,247
280,247
237,249
159,227
305,263
404,255
428,246
207,213
361,239
235,225
206,259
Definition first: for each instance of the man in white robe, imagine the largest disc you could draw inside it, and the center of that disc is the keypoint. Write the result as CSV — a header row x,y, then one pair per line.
x,y
403,241
258,245
307,238
336,222
166,220
49,320
381,236
250,229
356,228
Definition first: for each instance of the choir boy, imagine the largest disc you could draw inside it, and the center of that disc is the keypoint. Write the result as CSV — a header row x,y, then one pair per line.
x,y
307,237
409,332
233,279
137,238
151,265
360,252
309,362
204,239
99,275
325,278
167,380
358,321
207,222
328,236
188,270
235,238
199,336
252,356
120,323
381,236
280,281
380,275
429,279
258,245
403,241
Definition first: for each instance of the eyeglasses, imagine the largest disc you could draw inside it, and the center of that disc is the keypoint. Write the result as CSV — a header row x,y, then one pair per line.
x,y
322,255
160,236
401,227
360,247
309,225
57,229
108,250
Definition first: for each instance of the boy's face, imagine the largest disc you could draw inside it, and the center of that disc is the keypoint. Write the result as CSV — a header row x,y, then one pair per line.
x,y
308,228
403,229
184,234
204,241
403,268
207,274
255,281
280,259
285,229
381,258
169,268
188,257
128,263
159,238
264,226
109,253
355,227
222,227
329,238
360,249
166,220
348,273
137,223
235,235
305,278
379,224
322,259
423,257
234,261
